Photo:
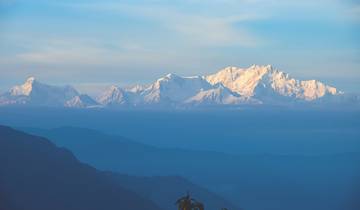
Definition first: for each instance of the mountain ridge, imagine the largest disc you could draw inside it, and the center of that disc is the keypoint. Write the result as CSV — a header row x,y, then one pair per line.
x,y
231,86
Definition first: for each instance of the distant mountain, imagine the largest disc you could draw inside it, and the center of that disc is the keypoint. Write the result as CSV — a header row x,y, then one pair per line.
x,y
113,96
173,89
81,101
264,81
35,93
37,175
219,95
231,86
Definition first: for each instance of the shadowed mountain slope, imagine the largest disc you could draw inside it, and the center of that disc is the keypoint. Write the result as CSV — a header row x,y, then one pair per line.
x,y
280,181
164,190
37,175
103,151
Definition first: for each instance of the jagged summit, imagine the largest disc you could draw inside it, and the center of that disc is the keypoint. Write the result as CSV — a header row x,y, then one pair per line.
x,y
239,80
112,96
171,76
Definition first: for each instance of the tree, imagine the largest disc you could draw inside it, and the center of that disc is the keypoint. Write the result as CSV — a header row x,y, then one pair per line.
x,y
188,203
197,205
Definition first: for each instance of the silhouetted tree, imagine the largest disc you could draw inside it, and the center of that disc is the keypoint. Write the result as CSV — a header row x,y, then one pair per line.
x,y
187,203
184,203
197,205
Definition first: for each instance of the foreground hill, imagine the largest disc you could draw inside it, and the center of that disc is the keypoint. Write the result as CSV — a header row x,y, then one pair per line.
x,y
279,181
164,190
37,175
105,151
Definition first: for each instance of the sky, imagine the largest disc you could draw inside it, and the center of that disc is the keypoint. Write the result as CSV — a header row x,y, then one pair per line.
x,y
91,44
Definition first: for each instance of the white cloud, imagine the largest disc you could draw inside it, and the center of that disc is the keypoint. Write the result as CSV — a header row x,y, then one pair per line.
x,y
354,13
82,52
192,28
212,31
220,23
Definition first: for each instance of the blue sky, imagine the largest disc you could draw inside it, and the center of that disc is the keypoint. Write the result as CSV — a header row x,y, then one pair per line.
x,y
91,43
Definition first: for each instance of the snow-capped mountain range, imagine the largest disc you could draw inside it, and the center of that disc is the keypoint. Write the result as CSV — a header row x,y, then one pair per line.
x,y
231,86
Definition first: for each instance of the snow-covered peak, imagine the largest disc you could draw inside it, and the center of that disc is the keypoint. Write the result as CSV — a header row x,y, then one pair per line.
x,y
80,101
135,88
24,89
33,92
74,102
283,84
219,95
267,67
171,76
265,81
174,88
30,79
239,80
113,95
113,89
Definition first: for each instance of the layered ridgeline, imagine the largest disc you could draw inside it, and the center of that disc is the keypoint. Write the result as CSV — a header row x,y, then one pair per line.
x,y
231,86
37,175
